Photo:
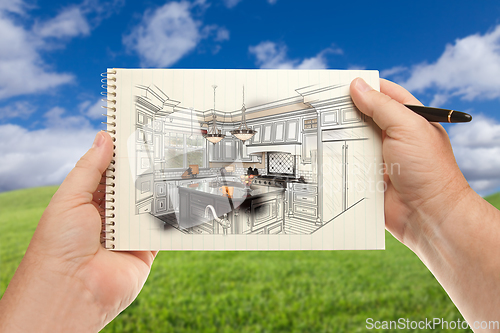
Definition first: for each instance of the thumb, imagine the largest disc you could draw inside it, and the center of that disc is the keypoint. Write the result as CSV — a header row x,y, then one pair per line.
x,y
84,179
386,112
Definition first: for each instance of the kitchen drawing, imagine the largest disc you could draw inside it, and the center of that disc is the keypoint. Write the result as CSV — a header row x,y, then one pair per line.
x,y
285,166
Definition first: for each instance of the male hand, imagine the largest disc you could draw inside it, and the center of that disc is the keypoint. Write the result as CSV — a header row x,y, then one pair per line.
x,y
422,175
67,281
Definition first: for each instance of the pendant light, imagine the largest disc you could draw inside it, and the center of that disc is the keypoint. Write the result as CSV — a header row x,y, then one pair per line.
x,y
243,132
214,135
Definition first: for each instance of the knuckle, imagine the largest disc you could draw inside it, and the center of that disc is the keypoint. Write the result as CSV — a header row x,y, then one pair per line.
x,y
86,164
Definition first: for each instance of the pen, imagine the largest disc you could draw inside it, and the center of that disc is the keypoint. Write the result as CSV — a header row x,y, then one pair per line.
x,y
440,115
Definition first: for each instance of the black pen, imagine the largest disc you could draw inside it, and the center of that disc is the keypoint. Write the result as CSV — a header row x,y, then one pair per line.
x,y
440,115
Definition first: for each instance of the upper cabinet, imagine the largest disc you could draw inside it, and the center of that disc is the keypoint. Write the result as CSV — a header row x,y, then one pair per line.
x,y
292,130
341,117
230,149
267,131
255,140
278,131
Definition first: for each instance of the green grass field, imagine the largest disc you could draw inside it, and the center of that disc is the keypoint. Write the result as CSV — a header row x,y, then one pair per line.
x,y
328,291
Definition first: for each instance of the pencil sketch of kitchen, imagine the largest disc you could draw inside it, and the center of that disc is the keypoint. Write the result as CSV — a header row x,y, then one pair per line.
x,y
300,162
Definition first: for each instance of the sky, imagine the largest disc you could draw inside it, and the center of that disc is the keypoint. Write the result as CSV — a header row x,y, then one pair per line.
x,y
447,53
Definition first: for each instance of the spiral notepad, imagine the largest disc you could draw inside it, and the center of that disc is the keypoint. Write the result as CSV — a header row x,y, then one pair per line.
x,y
208,159
108,231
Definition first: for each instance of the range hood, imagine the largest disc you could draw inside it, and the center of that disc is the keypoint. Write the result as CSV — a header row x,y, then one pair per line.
x,y
293,149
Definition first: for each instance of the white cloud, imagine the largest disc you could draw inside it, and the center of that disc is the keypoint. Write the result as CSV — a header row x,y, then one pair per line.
x,y
231,3
13,6
168,33
45,156
271,55
469,69
21,67
20,109
477,150
42,157
55,118
165,35
69,23
93,110
222,34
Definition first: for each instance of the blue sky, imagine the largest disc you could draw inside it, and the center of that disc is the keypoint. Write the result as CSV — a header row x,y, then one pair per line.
x,y
52,53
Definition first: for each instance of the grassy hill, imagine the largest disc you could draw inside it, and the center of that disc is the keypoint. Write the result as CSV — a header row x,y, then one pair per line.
x,y
255,291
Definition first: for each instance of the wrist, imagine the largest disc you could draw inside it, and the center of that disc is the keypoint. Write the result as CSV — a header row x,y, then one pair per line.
x,y
452,245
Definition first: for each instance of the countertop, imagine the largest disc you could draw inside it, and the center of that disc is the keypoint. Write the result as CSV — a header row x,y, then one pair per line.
x,y
161,178
239,192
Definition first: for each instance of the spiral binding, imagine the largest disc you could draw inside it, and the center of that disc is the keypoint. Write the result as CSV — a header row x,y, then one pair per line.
x,y
107,207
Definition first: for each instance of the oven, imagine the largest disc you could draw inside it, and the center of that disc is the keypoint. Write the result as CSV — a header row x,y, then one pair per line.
x,y
267,212
264,211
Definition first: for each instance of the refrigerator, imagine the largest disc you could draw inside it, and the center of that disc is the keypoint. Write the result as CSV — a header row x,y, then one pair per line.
x,y
344,175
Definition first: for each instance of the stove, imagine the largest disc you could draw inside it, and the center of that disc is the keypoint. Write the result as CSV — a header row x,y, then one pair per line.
x,y
273,180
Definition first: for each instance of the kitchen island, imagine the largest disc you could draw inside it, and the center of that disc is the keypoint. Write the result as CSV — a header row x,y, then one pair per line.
x,y
249,210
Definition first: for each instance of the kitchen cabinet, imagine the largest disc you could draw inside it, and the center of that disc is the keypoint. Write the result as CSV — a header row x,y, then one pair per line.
x,y
173,197
160,189
225,150
160,206
256,139
158,147
309,143
351,115
330,118
214,152
292,130
229,149
165,197
341,116
279,132
304,202
144,120
267,133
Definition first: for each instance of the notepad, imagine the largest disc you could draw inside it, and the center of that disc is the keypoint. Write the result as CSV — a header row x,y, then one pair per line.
x,y
226,159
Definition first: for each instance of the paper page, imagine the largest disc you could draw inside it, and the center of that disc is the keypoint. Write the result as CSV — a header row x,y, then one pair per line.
x,y
309,178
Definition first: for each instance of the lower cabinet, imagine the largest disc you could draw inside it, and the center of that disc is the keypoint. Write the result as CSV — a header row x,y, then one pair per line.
x,y
303,202
275,229
166,198
161,206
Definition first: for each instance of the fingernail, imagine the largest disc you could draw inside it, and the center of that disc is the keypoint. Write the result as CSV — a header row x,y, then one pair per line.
x,y
98,141
362,86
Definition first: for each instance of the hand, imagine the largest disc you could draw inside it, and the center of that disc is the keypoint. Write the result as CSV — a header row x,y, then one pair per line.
x,y
430,207
67,281
422,175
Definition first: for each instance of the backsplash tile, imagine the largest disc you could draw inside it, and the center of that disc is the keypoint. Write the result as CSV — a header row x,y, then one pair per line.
x,y
281,163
